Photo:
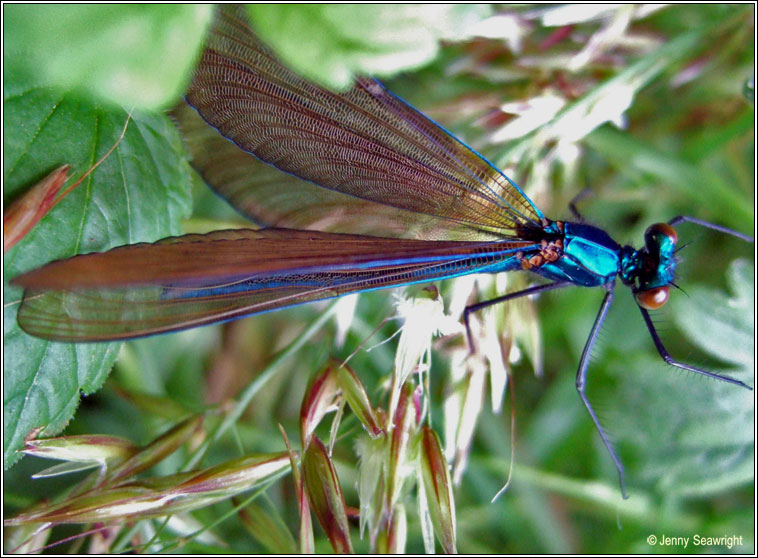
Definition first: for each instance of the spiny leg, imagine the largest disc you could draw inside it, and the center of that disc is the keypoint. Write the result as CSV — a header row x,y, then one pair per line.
x,y
669,360
581,380
649,322
505,298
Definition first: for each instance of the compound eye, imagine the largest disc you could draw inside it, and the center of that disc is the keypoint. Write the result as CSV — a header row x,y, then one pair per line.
x,y
652,299
661,229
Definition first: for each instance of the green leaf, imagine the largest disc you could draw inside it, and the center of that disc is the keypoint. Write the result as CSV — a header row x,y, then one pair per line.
x,y
720,324
139,193
128,54
331,43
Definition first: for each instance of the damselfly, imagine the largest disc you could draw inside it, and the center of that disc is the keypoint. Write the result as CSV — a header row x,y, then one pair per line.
x,y
403,200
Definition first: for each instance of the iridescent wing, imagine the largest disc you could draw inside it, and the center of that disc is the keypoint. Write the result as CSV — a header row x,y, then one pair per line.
x,y
270,197
365,143
187,281
364,149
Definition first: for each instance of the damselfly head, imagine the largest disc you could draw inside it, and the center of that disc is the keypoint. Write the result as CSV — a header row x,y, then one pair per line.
x,y
653,267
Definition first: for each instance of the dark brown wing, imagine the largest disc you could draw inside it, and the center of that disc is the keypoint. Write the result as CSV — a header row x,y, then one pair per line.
x,y
182,282
365,143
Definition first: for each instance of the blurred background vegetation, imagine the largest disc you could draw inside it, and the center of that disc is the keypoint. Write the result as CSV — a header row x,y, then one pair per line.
x,y
652,110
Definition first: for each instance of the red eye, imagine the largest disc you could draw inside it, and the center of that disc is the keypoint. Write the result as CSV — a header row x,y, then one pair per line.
x,y
652,299
663,228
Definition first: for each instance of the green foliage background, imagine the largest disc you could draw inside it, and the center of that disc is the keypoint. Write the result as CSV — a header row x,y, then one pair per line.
x,y
688,148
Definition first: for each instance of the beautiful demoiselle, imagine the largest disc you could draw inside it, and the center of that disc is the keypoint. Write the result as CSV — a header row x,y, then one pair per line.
x,y
403,200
